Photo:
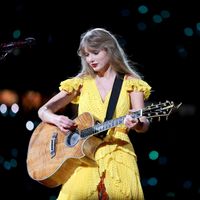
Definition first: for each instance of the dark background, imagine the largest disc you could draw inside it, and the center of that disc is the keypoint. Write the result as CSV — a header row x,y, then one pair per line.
x,y
166,56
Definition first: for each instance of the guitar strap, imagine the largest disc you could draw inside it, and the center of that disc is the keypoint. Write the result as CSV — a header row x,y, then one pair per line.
x,y
113,101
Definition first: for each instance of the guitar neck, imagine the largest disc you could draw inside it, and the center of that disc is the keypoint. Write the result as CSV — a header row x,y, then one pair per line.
x,y
153,111
101,127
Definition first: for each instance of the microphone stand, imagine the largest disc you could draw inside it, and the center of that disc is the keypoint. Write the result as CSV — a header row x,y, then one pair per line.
x,y
5,53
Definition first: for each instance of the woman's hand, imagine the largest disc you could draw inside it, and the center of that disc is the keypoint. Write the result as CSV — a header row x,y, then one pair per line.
x,y
130,122
137,124
64,123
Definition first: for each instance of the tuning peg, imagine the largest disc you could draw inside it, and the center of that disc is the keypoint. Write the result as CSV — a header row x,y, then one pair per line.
x,y
179,105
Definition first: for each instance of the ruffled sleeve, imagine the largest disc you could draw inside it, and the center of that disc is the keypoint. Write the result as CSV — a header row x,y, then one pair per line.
x,y
139,86
70,85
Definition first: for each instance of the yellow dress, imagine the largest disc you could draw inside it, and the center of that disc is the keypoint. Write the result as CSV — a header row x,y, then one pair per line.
x,y
117,160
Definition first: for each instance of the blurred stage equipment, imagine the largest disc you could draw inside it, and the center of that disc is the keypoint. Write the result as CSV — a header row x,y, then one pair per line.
x,y
6,48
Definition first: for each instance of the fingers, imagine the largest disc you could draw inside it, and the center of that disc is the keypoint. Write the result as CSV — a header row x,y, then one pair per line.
x,y
130,122
65,128
64,123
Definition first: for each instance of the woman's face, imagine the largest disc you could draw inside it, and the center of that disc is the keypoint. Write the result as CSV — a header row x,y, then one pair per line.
x,y
98,60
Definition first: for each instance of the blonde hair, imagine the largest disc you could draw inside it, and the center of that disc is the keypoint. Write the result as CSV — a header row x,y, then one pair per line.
x,y
98,39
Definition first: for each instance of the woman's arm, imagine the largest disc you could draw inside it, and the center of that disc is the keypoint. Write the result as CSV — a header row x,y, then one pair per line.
x,y
47,112
140,125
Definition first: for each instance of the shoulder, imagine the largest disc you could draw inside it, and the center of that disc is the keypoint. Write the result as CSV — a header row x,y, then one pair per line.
x,y
74,83
83,77
129,77
133,84
132,79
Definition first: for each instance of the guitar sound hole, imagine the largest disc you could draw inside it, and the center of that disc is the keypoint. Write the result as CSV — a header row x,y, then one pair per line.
x,y
72,139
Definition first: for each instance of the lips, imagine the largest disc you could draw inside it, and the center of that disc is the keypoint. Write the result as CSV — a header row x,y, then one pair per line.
x,y
93,65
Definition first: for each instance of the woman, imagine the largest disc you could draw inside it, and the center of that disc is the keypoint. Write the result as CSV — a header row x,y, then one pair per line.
x,y
116,175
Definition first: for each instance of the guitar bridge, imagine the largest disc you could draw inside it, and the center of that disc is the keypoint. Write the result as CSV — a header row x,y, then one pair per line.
x,y
53,145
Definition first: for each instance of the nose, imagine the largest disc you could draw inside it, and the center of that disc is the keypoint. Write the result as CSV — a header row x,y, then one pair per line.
x,y
90,58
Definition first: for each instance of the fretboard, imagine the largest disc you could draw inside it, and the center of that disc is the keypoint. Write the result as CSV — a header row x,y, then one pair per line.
x,y
101,127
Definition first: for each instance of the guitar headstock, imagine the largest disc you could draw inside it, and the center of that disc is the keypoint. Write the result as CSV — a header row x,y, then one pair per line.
x,y
162,109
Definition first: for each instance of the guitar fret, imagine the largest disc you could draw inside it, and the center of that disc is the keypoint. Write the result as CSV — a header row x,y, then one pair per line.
x,y
98,128
86,132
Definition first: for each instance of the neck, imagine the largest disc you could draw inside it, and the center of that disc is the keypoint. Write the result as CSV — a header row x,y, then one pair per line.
x,y
106,73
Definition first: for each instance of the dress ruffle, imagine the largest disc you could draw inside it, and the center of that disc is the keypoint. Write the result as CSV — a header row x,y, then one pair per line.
x,y
139,86
70,85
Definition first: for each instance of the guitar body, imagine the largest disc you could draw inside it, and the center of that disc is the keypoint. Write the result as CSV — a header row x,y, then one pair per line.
x,y
51,160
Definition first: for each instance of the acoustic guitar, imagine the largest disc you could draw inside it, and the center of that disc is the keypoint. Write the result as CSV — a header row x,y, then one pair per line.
x,y
53,155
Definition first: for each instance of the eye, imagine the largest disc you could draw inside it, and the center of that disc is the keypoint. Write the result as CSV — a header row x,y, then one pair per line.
x,y
86,54
96,52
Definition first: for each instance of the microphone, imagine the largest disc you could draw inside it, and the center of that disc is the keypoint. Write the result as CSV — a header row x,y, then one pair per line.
x,y
19,44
